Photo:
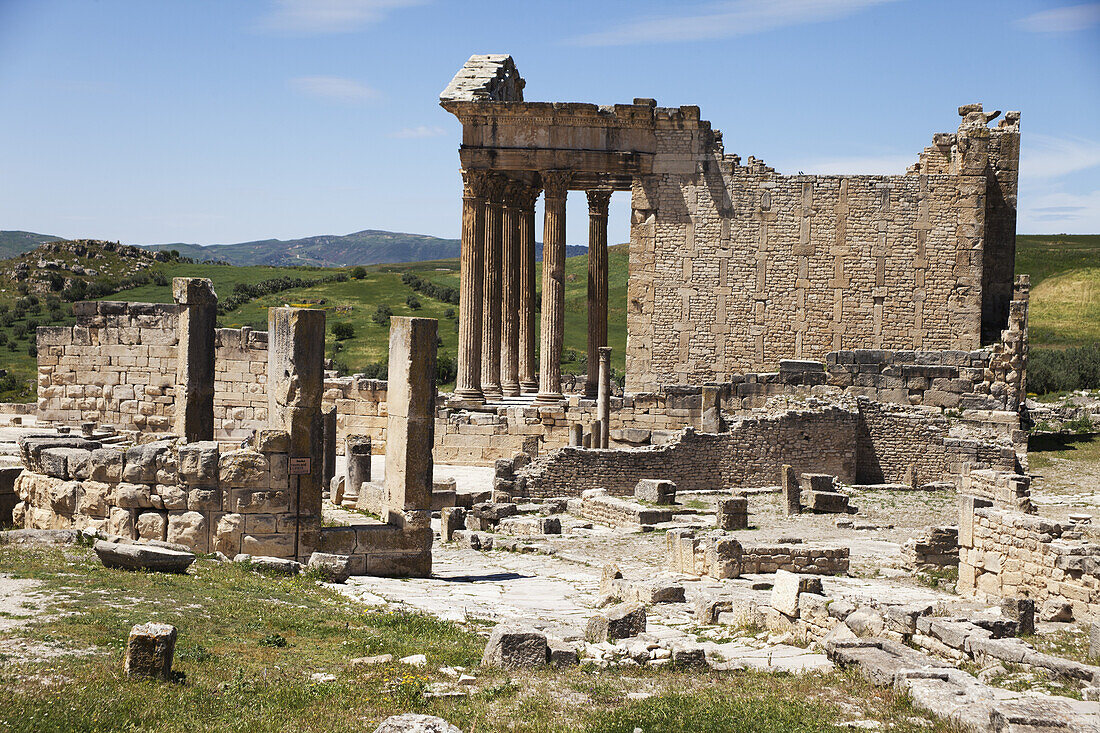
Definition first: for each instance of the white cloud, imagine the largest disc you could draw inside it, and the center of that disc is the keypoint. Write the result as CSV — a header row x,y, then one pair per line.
x,y
1058,212
420,131
334,88
1062,20
329,16
1044,156
725,20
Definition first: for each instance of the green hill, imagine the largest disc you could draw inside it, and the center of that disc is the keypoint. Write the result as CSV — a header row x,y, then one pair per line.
x,y
367,247
14,243
1065,287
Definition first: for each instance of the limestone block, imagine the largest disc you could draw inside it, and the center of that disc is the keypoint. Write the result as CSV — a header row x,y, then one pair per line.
x,y
142,557
141,462
511,646
172,497
93,499
733,513
63,497
149,651
132,496
787,588
227,534
189,529
1056,609
244,468
1022,611
204,500
275,545
151,526
451,519
655,491
620,621
121,522
415,723
332,568
198,463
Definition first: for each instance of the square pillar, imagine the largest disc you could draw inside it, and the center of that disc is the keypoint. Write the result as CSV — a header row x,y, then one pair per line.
x,y
295,383
410,425
194,406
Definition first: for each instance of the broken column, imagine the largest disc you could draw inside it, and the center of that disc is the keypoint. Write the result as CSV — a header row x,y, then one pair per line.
x,y
410,429
295,378
603,400
328,434
576,434
194,418
357,454
792,491
149,650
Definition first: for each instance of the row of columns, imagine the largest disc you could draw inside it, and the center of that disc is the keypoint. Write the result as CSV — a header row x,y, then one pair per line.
x,y
496,350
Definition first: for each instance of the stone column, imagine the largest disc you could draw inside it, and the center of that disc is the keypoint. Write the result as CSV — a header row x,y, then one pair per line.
x,y
510,255
468,381
194,418
792,489
527,380
491,292
328,432
603,399
295,383
597,284
357,453
556,184
410,425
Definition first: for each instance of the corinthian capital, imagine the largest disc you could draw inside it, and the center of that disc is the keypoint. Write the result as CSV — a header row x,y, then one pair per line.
x,y
598,199
475,184
556,183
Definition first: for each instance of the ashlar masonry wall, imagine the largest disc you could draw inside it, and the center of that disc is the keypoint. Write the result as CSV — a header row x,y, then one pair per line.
x,y
734,267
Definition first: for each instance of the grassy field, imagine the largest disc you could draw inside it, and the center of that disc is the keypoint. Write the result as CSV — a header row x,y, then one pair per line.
x,y
249,647
1065,288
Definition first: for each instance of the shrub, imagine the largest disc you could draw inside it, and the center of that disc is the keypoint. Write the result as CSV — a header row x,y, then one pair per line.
x,y
12,346
412,302
32,350
449,313
1060,370
358,273
19,330
342,331
444,293
377,370
382,315
159,278
3,338
446,369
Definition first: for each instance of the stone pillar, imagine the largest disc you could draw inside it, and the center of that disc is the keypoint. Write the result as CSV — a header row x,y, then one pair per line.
x,y
792,490
710,420
603,397
328,433
357,452
576,434
597,284
491,292
510,255
194,405
468,381
556,184
527,380
295,383
410,426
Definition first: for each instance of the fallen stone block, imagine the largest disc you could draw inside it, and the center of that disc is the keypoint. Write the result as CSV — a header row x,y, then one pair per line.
x,y
513,646
825,502
142,557
562,653
450,520
733,513
865,622
1054,610
270,565
149,651
333,568
620,621
415,723
655,491
787,588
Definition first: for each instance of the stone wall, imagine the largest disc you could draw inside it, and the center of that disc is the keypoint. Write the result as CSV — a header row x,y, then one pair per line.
x,y
818,441
192,494
1007,553
117,366
734,267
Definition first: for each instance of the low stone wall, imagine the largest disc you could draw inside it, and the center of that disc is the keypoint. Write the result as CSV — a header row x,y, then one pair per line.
x,y
721,555
795,558
597,506
819,441
1007,553
381,549
192,494
935,547
1006,489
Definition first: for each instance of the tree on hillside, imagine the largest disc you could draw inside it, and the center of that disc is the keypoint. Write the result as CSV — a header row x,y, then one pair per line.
x,y
342,331
412,302
382,315
358,273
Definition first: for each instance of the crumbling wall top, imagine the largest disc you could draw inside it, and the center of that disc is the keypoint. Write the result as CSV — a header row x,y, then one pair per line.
x,y
485,78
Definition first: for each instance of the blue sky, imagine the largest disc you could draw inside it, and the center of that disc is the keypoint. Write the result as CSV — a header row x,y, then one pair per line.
x,y
212,122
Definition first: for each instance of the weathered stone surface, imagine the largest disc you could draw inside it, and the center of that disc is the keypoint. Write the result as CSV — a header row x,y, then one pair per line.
x,y
787,588
1055,609
189,529
451,519
1022,611
142,557
333,568
733,513
149,651
415,723
826,502
270,565
198,463
866,621
620,621
514,646
655,491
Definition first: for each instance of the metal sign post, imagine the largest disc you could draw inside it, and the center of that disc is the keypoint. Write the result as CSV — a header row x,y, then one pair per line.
x,y
298,466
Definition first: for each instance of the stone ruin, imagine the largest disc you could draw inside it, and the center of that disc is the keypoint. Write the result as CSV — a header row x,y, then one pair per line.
x,y
807,337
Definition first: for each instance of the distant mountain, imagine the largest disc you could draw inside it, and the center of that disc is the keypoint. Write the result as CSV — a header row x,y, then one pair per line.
x,y
15,243
368,247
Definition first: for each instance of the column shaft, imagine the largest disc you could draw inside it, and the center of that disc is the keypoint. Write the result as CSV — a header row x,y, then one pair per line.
x,y
491,293
597,285
603,401
553,287
472,267
527,380
509,354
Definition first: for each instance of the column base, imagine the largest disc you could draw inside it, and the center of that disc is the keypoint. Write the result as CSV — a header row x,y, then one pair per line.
x,y
464,398
549,397
510,389
528,385
492,392
591,390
